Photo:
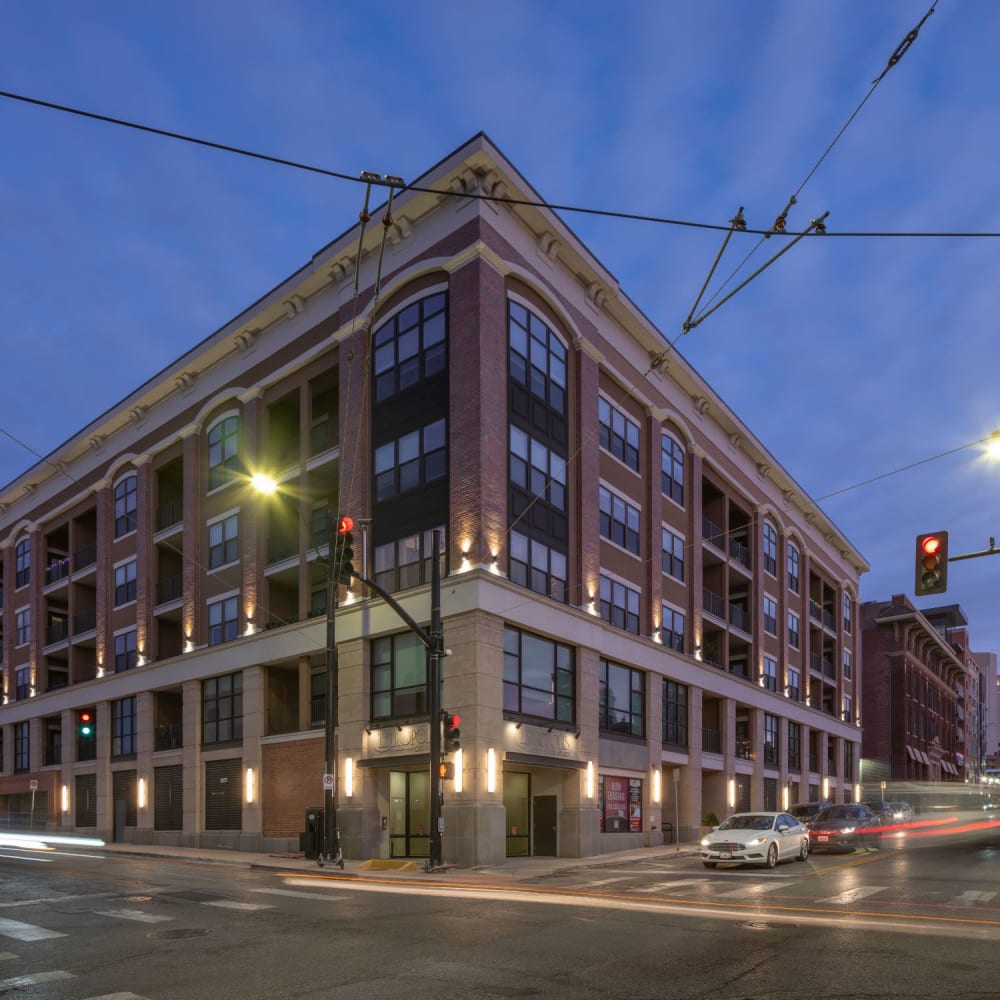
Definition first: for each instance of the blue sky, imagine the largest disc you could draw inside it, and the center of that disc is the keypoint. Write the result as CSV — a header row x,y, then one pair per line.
x,y
849,358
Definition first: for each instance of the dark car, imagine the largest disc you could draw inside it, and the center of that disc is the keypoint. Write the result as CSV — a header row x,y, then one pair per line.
x,y
843,828
883,810
805,812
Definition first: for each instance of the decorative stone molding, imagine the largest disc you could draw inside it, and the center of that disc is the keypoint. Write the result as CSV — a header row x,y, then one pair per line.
x,y
702,406
342,268
246,340
294,304
400,230
138,414
789,497
596,295
735,441
97,441
30,489
548,245
185,381
763,471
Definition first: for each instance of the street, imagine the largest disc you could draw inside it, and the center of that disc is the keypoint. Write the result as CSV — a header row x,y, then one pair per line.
x,y
920,920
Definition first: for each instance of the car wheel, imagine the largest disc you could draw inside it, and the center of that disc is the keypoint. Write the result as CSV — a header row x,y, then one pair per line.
x,y
803,851
708,864
772,855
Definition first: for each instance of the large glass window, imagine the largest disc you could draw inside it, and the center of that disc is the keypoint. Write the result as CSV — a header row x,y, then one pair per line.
x,y
123,727
793,630
619,520
539,677
411,461
125,583
537,358
126,493
672,628
410,346
222,709
537,469
770,549
770,739
538,566
22,683
224,541
848,613
620,605
222,620
22,563
126,655
794,746
399,676
223,451
847,665
22,626
770,615
618,434
794,682
22,746
672,469
770,673
672,554
622,707
406,562
675,714
619,803
793,568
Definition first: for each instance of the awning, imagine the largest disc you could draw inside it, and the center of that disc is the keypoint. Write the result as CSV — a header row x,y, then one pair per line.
x,y
533,759
924,757
910,753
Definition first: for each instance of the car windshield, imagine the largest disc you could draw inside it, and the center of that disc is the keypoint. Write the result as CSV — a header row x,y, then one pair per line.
x,y
839,812
748,822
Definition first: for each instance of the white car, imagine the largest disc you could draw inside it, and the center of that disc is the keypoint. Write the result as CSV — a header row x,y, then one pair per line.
x,y
756,838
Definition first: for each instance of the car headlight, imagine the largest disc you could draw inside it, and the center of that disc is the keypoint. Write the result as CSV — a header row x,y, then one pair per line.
x,y
756,841
848,829
706,842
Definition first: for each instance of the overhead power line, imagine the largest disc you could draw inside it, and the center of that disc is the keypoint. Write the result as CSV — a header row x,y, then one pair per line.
x,y
478,196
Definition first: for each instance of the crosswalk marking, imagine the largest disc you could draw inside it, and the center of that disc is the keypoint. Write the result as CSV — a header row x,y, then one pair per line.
x,y
754,890
19,982
26,932
145,918
232,905
852,895
972,896
676,884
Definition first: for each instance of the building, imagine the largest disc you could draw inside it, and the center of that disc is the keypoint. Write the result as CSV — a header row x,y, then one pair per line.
x,y
916,690
647,621
991,687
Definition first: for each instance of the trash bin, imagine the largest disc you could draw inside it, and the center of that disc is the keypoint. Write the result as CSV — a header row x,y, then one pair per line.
x,y
311,838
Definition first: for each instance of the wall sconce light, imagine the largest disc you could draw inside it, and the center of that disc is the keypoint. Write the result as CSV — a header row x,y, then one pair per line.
x,y
141,794
590,779
65,798
491,770
459,778
785,796
857,793
826,788
349,777
788,691
732,793
249,784
657,786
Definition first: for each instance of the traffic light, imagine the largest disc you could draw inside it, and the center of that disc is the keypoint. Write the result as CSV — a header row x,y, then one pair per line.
x,y
450,732
931,564
446,770
85,724
343,551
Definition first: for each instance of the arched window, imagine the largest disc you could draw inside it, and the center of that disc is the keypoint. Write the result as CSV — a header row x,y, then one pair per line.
x,y
125,505
411,346
223,451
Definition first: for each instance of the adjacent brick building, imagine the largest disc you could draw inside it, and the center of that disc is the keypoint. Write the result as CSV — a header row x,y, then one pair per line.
x,y
647,620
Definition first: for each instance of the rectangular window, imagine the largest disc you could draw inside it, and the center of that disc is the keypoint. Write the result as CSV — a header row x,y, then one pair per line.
x,y
770,673
622,699
793,630
22,564
22,626
672,554
619,605
125,583
399,676
126,494
847,665
537,469
848,714
619,803
672,469
22,683
222,621
618,434
223,451
539,677
794,746
675,714
672,628
222,709
412,461
22,746
538,566
770,549
619,520
793,569
536,358
410,347
224,541
770,739
794,680
770,615
123,727
125,651
848,613
406,562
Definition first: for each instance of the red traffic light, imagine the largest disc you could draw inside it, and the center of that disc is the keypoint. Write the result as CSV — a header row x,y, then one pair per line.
x,y
931,564
452,721
930,545
85,717
344,525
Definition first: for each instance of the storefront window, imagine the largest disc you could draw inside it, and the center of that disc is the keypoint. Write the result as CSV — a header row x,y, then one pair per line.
x,y
619,801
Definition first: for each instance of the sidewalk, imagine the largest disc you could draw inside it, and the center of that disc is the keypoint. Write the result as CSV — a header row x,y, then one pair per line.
x,y
512,869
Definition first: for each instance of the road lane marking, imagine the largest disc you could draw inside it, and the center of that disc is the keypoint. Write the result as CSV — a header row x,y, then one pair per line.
x,y
606,881
19,982
301,895
26,932
677,884
852,895
5,955
144,918
117,996
753,890
971,896
229,904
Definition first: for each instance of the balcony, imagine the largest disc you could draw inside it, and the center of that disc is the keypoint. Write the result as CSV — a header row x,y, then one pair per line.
x,y
711,741
170,588
169,514
169,737
714,604
85,621
739,618
744,748
739,552
56,631
713,533
56,571
82,558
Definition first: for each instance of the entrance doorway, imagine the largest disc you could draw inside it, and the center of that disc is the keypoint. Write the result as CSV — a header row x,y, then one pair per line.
x,y
517,806
543,826
409,814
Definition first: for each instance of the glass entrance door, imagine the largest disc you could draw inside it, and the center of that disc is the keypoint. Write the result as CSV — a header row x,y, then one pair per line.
x,y
409,814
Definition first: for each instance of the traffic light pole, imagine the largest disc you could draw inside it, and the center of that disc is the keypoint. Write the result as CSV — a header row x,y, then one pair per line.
x,y
435,859
331,851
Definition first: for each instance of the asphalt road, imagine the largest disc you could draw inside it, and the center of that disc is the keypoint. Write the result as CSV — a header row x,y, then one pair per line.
x,y
914,921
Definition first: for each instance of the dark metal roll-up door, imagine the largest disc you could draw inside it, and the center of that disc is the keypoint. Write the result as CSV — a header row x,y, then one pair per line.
x,y
168,797
223,801
86,800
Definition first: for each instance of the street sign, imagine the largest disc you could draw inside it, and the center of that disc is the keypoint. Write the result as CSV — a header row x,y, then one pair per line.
x,y
33,785
327,782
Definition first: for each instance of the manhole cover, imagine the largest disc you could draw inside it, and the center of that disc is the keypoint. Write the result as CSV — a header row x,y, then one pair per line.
x,y
756,925
177,935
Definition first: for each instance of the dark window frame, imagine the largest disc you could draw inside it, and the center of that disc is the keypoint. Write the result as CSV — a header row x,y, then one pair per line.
x,y
672,458
552,696
427,464
618,433
620,614
672,557
126,498
414,322
22,563
675,714
630,721
619,520
126,582
227,629
404,701
222,709
223,451
126,651
670,635
224,549
124,727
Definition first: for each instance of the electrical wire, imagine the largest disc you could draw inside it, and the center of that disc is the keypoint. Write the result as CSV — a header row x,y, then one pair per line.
x,y
477,196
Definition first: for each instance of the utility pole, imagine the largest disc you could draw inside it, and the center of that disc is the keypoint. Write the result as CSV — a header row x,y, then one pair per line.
x,y
435,860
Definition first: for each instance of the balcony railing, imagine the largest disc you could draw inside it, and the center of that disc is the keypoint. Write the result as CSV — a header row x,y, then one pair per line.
x,y
170,589
713,533
84,557
85,621
711,741
169,514
815,611
57,570
770,754
169,736
739,552
56,631
744,749
279,549
738,617
714,604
